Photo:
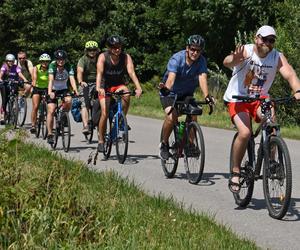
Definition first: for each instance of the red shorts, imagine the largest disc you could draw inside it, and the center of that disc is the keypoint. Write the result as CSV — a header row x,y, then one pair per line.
x,y
110,89
238,107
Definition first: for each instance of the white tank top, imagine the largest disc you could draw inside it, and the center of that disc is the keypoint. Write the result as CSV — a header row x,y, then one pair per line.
x,y
253,71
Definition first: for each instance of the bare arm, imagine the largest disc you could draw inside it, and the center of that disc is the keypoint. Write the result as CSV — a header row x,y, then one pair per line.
x,y
236,57
100,70
73,84
1,75
22,77
132,75
34,76
288,73
80,76
203,84
50,85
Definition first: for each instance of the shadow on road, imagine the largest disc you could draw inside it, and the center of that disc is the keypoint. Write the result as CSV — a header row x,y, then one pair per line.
x,y
208,179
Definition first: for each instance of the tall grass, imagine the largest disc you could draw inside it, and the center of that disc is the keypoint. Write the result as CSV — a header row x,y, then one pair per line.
x,y
47,202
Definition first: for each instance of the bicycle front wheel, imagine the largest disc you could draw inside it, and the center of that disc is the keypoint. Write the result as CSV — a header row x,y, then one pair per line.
x,y
55,131
243,197
122,138
107,139
65,128
22,108
277,177
194,153
89,137
44,120
170,166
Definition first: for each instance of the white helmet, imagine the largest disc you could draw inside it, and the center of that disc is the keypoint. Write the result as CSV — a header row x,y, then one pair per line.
x,y
10,57
45,57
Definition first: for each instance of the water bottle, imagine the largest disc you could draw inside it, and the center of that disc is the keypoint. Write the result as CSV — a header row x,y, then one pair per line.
x,y
181,130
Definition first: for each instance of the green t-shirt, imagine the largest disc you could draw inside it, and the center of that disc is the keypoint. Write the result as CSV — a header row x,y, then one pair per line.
x,y
89,68
42,78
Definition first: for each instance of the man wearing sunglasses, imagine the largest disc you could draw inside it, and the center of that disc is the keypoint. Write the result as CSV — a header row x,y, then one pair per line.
x,y
254,70
186,70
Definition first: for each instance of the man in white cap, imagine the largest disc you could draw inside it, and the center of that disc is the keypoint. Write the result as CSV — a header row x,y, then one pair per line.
x,y
254,70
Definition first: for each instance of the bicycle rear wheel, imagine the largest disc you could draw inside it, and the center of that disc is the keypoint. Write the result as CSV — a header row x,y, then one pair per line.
x,y
65,128
108,139
22,105
277,177
122,138
194,153
89,137
12,112
243,198
170,166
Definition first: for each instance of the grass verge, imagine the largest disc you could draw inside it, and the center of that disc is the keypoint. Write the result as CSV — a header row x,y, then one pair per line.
x,y
47,202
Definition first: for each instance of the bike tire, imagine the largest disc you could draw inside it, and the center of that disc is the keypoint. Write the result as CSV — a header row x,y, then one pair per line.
x,y
22,105
15,112
122,138
170,166
89,137
39,121
108,139
194,153
277,177
44,121
243,198
65,128
56,131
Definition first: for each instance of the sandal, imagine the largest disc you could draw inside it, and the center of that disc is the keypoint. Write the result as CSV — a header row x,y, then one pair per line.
x,y
234,187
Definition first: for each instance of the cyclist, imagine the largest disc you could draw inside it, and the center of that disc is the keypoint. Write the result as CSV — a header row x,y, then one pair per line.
x,y
40,86
254,69
86,76
112,66
186,70
26,69
9,71
59,73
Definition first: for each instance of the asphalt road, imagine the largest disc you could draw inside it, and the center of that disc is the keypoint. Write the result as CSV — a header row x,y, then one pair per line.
x,y
211,195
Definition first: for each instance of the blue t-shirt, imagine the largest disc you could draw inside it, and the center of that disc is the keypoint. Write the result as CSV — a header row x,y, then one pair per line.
x,y
187,76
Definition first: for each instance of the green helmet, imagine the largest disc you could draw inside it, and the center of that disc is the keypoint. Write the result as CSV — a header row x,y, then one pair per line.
x,y
91,45
45,57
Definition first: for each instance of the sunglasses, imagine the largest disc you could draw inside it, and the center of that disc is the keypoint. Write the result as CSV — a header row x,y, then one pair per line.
x,y
266,39
116,47
22,58
193,50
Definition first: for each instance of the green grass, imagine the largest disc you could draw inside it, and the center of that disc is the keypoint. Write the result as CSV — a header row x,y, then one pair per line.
x,y
48,202
149,106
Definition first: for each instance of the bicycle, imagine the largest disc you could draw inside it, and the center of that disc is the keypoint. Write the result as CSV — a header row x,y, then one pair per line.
x,y
272,154
42,116
190,145
16,108
117,128
61,124
89,106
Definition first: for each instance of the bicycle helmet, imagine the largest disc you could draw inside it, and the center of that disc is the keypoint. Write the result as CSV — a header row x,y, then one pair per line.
x,y
60,54
10,57
44,57
91,45
114,41
196,40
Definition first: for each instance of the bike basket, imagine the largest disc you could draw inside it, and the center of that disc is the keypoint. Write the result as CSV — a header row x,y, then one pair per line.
x,y
75,110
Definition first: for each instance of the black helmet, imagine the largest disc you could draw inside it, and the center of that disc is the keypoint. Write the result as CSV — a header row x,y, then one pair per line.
x,y
196,40
114,41
60,54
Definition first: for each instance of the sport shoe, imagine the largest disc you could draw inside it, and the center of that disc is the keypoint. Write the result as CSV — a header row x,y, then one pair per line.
x,y
101,147
164,151
85,130
33,130
50,139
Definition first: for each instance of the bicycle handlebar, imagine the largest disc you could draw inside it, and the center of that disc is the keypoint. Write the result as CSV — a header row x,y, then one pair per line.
x,y
187,101
280,100
119,93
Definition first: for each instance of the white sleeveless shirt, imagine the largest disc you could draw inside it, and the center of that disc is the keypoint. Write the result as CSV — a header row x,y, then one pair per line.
x,y
253,71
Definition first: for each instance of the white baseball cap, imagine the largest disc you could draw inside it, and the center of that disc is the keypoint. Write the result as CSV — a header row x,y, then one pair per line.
x,y
266,30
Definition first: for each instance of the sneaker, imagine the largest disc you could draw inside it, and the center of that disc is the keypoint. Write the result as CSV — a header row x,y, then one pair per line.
x,y
33,130
164,151
85,130
50,139
128,127
101,147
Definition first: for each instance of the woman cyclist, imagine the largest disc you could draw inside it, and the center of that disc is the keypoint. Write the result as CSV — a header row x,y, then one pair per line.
x,y
40,86
9,71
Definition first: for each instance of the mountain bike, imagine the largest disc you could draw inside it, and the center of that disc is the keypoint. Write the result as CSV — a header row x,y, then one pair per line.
x,y
16,107
273,154
89,106
117,128
190,145
61,123
42,116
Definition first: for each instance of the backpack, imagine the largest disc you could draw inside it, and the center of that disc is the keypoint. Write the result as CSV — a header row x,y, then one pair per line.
x,y
75,110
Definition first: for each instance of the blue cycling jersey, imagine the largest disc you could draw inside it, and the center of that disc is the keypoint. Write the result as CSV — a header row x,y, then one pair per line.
x,y
187,76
